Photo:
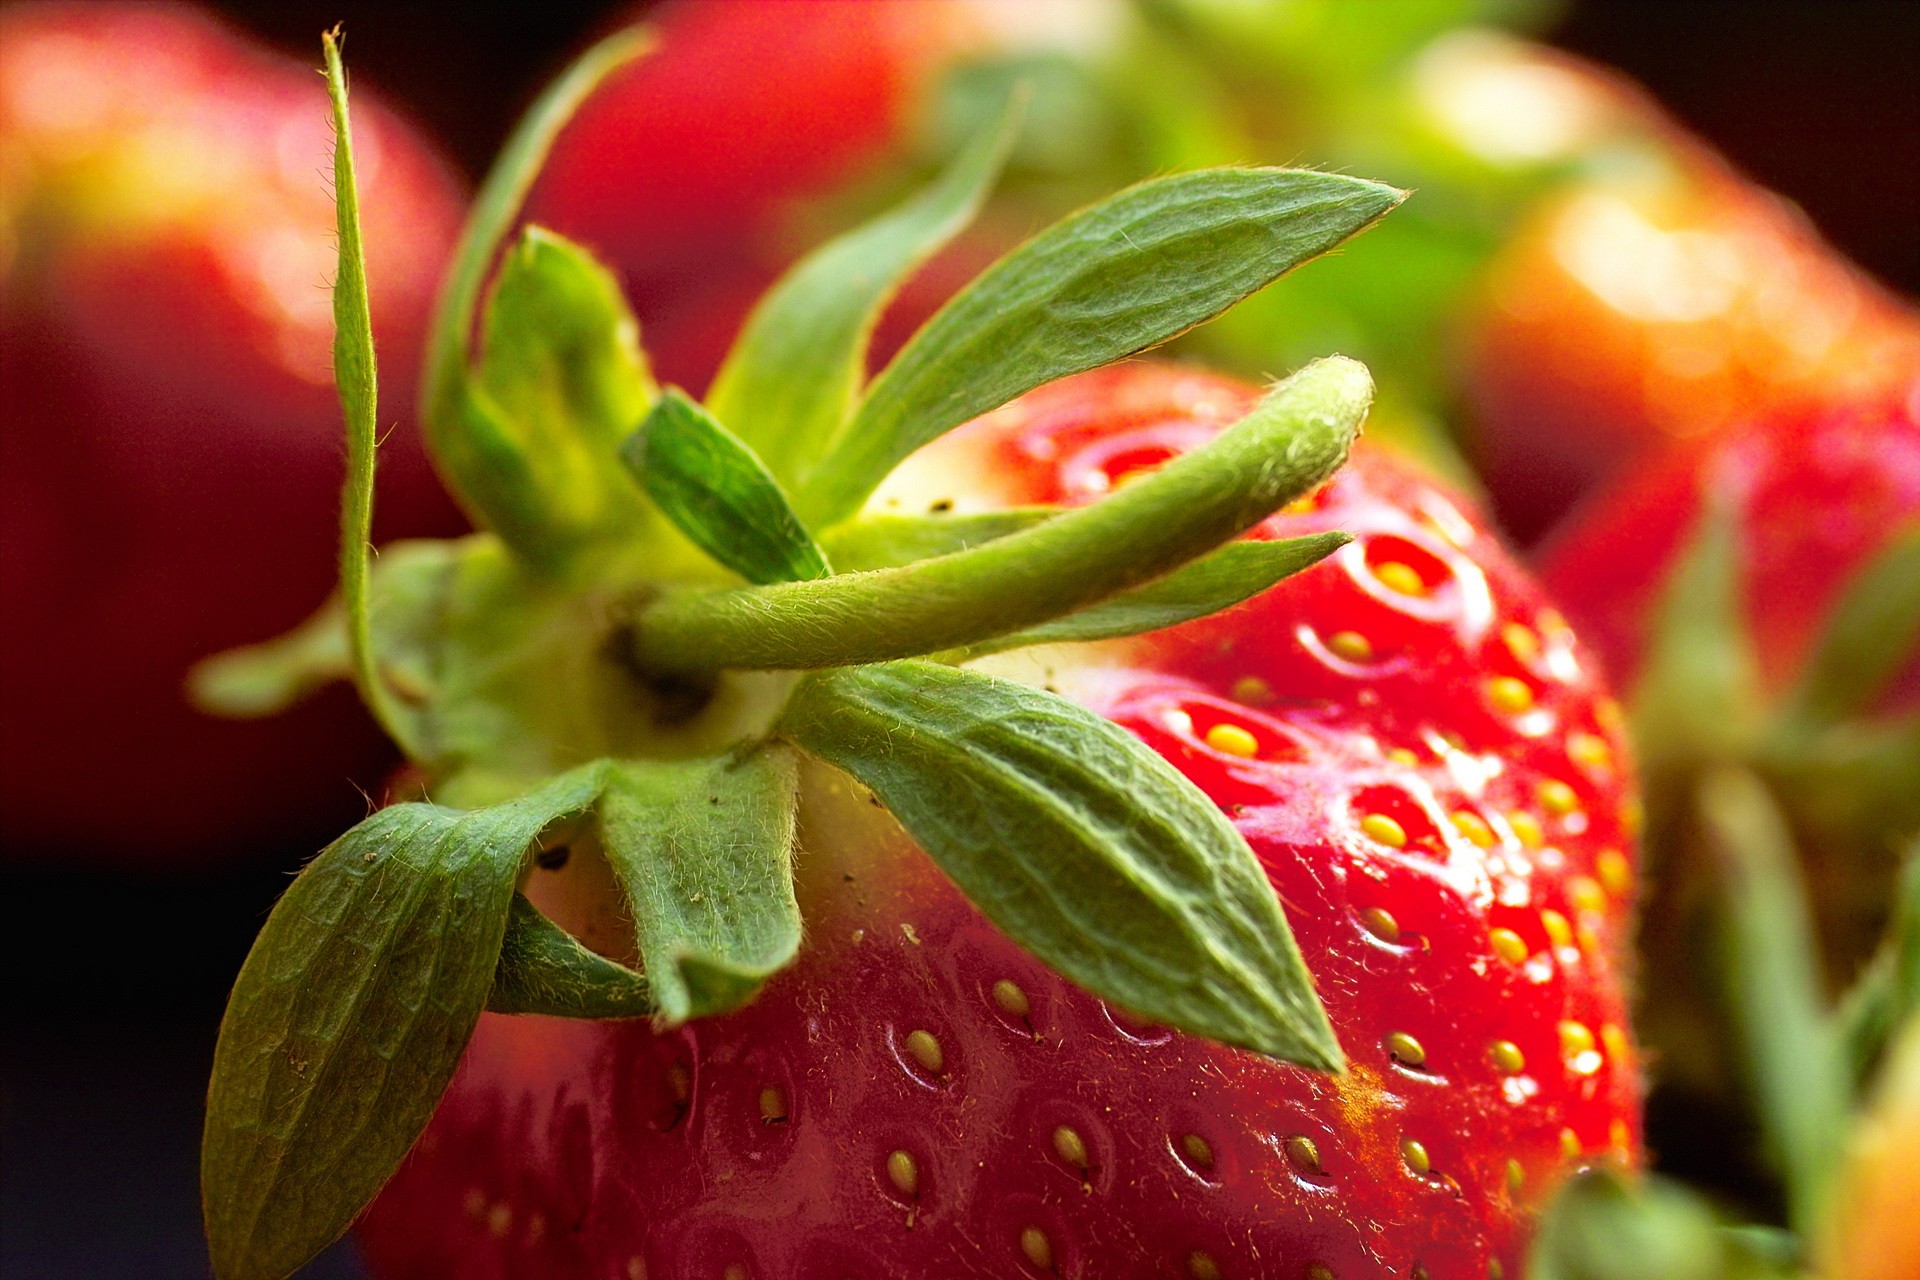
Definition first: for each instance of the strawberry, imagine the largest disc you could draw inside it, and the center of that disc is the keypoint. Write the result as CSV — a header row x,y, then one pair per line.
x,y
170,447
1012,877
917,1096
1652,305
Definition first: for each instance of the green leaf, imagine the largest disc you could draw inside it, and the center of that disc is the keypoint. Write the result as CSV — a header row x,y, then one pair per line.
x,y
1118,277
720,494
1236,572
704,851
1604,1225
1289,442
562,376
790,381
1887,994
544,969
349,1016
1772,970
480,454
1870,635
356,380
1699,692
887,541
1076,839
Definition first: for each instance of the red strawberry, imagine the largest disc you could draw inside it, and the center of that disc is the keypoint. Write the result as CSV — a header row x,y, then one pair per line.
x,y
1656,304
685,170
1816,493
1425,764
170,438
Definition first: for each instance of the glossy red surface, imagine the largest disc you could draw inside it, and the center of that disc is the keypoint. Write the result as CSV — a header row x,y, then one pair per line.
x,y
1053,1136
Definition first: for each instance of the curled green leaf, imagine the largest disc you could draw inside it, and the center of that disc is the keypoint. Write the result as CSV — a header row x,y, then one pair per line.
x,y
544,969
1289,442
1870,634
349,1016
713,487
1118,277
703,850
1082,844
889,541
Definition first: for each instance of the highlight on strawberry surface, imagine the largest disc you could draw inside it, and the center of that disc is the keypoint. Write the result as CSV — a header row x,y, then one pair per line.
x,y
964,698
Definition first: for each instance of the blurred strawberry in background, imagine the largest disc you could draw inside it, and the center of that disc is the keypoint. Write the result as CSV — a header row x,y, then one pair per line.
x,y
171,440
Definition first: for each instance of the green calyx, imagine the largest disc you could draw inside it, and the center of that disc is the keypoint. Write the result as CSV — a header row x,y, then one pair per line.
x,y
672,602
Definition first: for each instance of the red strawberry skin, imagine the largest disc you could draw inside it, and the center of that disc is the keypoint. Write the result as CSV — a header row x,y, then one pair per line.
x,y
1816,492
172,454
1474,982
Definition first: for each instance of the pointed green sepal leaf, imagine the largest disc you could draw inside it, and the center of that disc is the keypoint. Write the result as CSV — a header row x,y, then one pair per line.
x,y
1605,1224
349,1016
1289,442
481,452
1235,573
1082,844
1699,692
1118,277
544,969
561,374
790,381
1870,635
703,850
713,487
889,541
1887,994
1775,989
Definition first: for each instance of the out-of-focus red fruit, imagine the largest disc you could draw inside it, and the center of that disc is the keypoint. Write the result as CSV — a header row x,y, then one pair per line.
x,y
1817,491
684,170
171,439
1658,303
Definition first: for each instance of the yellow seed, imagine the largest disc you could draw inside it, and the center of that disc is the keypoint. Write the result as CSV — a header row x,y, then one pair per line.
x,y
1521,642
1201,1266
1508,945
734,1271
636,1268
1495,1271
1379,922
926,1050
1509,694
1399,577
773,1104
1253,691
1558,797
1559,932
500,1220
1378,826
1304,1152
1416,1157
1589,751
1507,1056
1039,1249
1616,873
1608,714
1231,739
1516,1176
1587,894
1011,999
1320,1271
1569,1143
903,1171
1614,1040
1633,815
1527,827
1199,1150
1619,1135
1071,1146
1473,827
1402,756
1575,1039
1351,645
1405,1049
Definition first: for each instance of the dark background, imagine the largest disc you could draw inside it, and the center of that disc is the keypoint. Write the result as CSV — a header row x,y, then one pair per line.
x,y
114,983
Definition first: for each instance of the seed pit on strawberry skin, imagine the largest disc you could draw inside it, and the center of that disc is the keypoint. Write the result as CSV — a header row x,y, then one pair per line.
x,y
1405,568
926,1051
1201,1266
1010,999
1406,1050
903,1171
1414,1153
1037,1249
1507,1057
1304,1154
1070,1146
1379,922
